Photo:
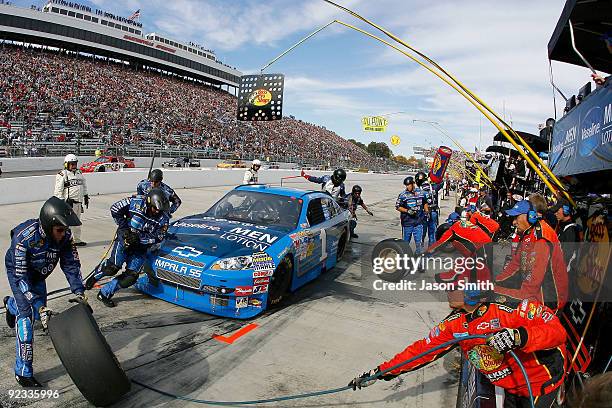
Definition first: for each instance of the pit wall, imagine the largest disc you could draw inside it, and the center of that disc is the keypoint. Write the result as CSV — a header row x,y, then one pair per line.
x,y
39,188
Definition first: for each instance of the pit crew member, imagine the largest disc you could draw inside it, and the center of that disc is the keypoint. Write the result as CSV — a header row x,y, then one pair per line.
x,y
334,184
37,245
538,261
71,186
531,330
354,199
412,205
431,221
250,175
155,181
142,222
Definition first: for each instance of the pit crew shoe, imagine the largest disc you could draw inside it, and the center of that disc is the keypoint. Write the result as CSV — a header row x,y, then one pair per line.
x,y
28,382
80,243
10,318
108,302
90,282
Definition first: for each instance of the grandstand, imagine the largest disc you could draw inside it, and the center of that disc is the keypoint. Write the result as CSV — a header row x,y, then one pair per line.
x,y
61,94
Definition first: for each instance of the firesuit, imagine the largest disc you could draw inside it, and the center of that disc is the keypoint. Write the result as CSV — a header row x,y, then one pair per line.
x,y
431,221
72,187
539,261
337,192
146,185
30,259
541,349
412,223
130,215
466,237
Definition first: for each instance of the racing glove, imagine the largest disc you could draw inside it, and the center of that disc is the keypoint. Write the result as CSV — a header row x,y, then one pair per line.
x,y
363,380
86,200
45,314
131,238
306,176
411,212
82,299
508,339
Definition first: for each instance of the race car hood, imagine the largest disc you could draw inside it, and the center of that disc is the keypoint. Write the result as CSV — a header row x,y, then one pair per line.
x,y
210,237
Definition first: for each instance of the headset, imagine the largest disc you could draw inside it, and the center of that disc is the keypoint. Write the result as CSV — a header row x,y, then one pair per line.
x,y
532,215
567,210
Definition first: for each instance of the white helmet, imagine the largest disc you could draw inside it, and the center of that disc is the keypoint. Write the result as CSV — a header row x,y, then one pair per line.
x,y
70,158
256,162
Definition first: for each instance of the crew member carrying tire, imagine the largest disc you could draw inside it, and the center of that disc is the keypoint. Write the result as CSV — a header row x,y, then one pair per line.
x,y
142,222
333,185
155,181
37,245
412,205
251,175
71,186
531,330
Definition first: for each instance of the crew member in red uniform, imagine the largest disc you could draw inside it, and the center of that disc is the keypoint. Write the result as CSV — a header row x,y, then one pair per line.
x,y
486,223
531,330
538,259
465,237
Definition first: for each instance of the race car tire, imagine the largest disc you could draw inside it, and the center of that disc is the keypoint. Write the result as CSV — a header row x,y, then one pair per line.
x,y
101,169
87,357
280,281
390,248
341,247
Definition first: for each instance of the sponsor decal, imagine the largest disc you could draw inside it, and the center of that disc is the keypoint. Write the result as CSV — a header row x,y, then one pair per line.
x,y
262,274
260,97
243,290
242,302
255,302
198,226
260,289
505,308
547,316
256,240
442,326
262,262
176,268
501,299
453,317
495,324
498,375
481,310
483,326
485,357
434,332
460,335
261,281
532,311
187,251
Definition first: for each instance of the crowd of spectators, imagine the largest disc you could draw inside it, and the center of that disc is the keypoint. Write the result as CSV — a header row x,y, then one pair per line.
x,y
98,99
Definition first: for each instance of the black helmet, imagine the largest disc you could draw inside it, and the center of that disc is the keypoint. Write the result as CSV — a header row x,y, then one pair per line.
x,y
156,175
338,177
55,212
442,228
408,180
158,199
357,189
420,178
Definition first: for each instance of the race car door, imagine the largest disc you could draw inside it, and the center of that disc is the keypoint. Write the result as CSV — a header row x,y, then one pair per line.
x,y
311,244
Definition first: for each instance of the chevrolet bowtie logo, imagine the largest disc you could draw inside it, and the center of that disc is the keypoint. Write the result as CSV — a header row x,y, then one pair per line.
x,y
187,251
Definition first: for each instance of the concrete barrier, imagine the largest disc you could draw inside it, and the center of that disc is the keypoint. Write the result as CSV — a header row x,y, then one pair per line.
x,y
39,188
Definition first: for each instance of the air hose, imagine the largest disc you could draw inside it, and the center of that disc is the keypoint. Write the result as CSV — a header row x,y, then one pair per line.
x,y
339,389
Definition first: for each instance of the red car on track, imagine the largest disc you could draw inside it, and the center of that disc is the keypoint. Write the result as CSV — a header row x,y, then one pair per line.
x,y
107,163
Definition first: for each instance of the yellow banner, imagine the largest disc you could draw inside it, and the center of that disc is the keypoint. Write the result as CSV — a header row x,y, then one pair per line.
x,y
374,124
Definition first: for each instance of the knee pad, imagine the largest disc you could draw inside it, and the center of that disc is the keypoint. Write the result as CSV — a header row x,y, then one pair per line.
x,y
110,269
128,278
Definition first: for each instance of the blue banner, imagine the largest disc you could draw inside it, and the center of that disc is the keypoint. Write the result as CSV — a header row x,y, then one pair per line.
x,y
582,139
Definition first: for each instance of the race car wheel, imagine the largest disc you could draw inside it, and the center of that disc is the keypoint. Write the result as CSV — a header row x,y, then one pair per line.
x,y
280,281
341,247
390,248
87,357
101,169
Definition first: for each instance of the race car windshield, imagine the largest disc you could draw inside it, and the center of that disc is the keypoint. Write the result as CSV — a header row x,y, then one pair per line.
x,y
271,210
101,160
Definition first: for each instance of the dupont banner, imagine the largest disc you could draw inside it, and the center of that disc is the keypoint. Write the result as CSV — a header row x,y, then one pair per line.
x,y
582,139
438,167
374,124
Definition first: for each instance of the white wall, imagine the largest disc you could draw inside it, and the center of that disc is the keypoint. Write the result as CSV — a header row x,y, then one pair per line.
x,y
39,188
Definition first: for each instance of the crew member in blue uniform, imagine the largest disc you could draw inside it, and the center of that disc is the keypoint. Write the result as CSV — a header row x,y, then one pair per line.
x,y
431,220
142,222
155,181
412,205
333,185
37,245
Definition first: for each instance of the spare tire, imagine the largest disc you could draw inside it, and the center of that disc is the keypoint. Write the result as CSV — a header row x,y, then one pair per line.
x,y
87,357
391,248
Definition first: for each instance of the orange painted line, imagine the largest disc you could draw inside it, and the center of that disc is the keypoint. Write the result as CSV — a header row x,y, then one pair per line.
x,y
237,335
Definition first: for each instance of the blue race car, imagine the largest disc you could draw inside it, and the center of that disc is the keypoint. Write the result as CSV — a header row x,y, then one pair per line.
x,y
247,251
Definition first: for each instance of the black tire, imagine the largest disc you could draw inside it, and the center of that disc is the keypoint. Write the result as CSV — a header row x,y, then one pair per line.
x,y
87,357
391,248
101,169
280,282
341,247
